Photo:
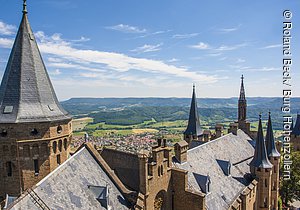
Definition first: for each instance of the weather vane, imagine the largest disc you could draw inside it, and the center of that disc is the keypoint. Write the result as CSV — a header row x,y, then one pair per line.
x,y
24,7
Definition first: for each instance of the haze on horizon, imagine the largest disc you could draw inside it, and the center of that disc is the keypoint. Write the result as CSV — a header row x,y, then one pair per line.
x,y
106,49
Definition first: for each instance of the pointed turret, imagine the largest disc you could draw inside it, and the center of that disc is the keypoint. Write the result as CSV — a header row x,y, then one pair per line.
x,y
296,128
260,159
26,92
270,142
242,91
193,128
242,106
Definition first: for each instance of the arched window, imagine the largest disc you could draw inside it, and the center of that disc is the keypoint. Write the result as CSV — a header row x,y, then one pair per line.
x,y
158,172
65,144
59,129
26,151
54,147
5,149
13,150
3,133
9,168
35,149
34,132
60,145
44,149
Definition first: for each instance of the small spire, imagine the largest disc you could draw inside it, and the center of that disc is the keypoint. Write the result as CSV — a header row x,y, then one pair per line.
x,y
260,159
193,86
242,77
270,141
24,7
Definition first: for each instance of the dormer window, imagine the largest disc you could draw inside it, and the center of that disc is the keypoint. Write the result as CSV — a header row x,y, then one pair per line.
x,y
8,109
208,184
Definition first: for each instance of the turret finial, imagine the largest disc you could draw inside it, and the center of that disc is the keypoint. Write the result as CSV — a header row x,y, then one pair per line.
x,y
24,7
242,77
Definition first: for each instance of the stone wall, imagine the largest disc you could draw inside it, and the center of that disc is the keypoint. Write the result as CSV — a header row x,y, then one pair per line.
x,y
26,153
125,165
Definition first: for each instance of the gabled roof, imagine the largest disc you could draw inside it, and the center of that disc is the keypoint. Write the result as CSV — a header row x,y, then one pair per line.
x,y
205,159
270,141
260,159
296,129
242,91
26,92
84,181
193,127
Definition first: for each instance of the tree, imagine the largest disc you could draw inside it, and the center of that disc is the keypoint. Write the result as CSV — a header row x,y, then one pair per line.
x,y
290,189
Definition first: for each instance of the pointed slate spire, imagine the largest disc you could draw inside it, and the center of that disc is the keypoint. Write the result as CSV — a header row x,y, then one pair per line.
x,y
270,142
260,159
296,129
242,91
193,127
26,92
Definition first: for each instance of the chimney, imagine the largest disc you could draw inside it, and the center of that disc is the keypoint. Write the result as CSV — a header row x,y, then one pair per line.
x,y
181,149
159,142
219,130
233,127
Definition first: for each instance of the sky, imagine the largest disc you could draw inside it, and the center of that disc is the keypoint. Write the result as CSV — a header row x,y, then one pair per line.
x,y
139,48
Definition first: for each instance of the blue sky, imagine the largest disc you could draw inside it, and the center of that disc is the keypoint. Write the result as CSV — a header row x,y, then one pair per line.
x,y
137,48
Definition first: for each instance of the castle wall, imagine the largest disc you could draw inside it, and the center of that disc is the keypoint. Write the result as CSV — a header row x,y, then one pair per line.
x,y
26,153
125,165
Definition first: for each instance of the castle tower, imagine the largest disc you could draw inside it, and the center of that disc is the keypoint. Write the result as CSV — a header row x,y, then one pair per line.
x,y
261,168
274,157
242,110
35,131
193,131
295,135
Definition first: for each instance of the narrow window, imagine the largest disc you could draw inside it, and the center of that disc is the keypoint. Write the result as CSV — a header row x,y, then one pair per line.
x,y
65,144
58,159
9,168
60,145
54,147
158,171
266,183
36,167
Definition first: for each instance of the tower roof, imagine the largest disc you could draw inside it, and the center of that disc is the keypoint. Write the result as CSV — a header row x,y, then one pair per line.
x,y
296,129
260,159
193,127
242,91
270,142
26,92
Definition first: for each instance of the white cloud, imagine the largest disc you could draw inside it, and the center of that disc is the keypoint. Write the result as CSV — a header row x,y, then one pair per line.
x,y
173,60
147,48
117,62
126,28
201,46
6,29
185,36
272,46
6,43
214,54
229,48
239,60
56,72
228,30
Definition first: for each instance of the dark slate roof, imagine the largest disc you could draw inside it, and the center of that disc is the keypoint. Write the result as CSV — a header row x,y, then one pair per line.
x,y
79,183
296,129
270,141
26,92
242,91
260,159
193,127
204,161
